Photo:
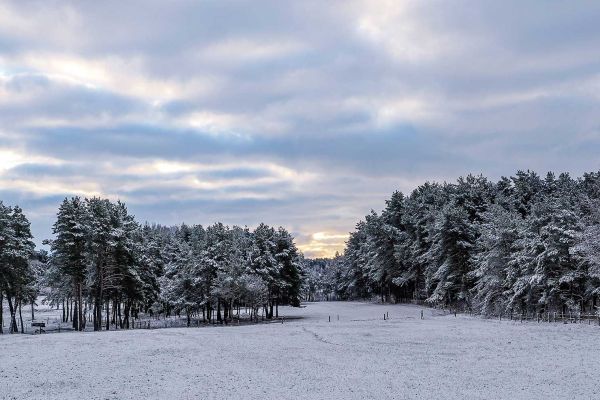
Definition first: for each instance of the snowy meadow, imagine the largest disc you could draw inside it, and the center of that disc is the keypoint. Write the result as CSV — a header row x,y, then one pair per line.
x,y
299,200
358,355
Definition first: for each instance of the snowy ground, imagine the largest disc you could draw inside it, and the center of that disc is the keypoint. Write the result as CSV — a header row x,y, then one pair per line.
x,y
361,356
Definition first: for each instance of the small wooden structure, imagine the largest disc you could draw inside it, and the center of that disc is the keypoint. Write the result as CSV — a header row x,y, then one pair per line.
x,y
40,325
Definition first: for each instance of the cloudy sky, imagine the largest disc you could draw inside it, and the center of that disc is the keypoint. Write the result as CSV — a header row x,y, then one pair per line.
x,y
305,114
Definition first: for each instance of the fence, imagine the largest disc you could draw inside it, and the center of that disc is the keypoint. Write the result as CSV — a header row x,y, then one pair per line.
x,y
558,317
553,317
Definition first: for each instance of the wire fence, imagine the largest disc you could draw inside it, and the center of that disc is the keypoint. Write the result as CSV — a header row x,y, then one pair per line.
x,y
548,317
53,325
554,317
50,325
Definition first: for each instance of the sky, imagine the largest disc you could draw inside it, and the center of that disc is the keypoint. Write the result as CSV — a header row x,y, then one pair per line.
x,y
305,114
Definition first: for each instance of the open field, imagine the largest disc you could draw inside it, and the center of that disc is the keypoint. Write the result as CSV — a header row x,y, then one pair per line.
x,y
361,356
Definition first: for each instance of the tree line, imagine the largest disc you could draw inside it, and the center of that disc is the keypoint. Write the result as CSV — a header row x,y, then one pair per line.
x,y
105,268
523,244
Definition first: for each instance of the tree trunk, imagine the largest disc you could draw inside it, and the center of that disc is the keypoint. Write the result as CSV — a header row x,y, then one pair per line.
x,y
32,309
121,325
99,296
98,311
113,314
1,312
13,319
107,314
80,316
84,316
219,318
21,316
74,314
95,315
115,307
126,311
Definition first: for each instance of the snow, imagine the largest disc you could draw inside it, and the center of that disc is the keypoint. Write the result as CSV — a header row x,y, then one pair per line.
x,y
361,356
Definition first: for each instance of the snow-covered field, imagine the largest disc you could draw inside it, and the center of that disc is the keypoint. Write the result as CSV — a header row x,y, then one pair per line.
x,y
361,356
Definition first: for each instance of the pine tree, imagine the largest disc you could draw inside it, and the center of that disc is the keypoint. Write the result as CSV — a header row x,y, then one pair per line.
x,y
7,270
69,250
264,263
500,231
452,249
290,269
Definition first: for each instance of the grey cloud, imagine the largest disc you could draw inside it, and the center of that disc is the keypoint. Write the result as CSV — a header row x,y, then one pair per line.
x,y
58,100
507,85
395,149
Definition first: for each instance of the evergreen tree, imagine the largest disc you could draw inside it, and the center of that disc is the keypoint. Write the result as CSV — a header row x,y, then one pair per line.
x,y
499,233
452,249
69,250
290,269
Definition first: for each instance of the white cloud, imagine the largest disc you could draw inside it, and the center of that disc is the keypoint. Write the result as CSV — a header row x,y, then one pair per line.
x,y
399,29
243,49
35,22
123,76
11,158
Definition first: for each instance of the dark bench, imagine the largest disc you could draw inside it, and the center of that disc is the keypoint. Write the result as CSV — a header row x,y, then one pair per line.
x,y
40,325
